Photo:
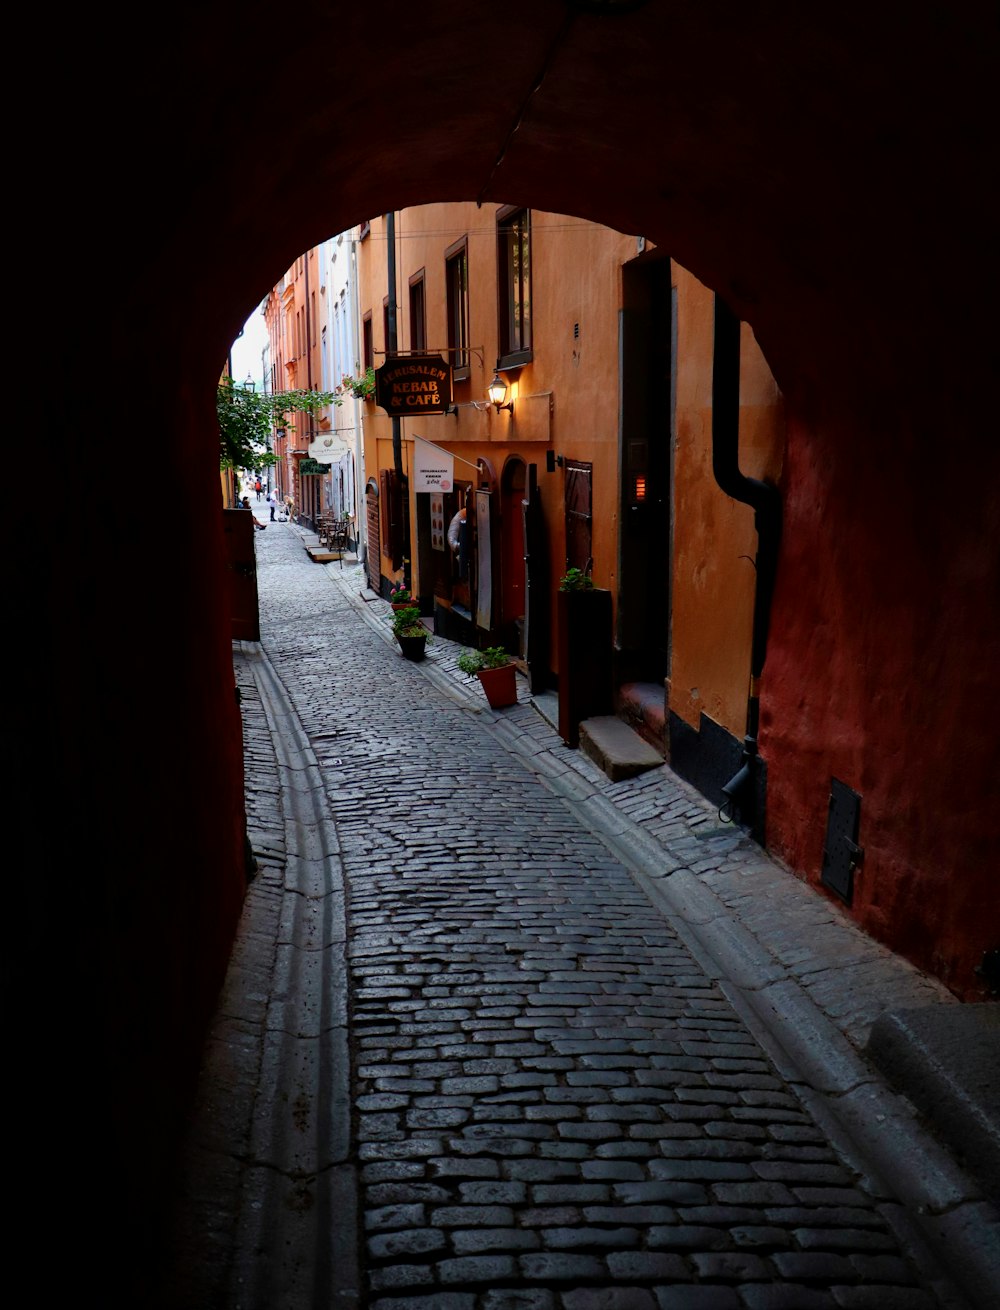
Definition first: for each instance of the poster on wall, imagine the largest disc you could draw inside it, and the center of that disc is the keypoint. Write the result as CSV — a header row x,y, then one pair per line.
x,y
433,468
437,521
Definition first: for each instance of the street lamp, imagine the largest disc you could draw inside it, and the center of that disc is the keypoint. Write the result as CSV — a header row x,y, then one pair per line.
x,y
497,392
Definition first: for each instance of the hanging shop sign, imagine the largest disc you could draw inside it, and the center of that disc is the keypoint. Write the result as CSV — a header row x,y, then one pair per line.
x,y
433,468
416,384
328,448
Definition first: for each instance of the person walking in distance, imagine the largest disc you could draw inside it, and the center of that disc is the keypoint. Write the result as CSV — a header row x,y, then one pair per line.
x,y
257,487
272,501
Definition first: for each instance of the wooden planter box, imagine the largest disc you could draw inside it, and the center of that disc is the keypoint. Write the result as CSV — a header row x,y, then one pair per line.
x,y
585,654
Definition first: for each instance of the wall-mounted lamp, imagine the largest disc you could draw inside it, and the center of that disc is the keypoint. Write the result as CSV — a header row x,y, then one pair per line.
x,y
497,392
552,460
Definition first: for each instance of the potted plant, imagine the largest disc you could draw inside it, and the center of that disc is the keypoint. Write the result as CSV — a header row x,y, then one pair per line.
x,y
495,670
400,597
576,580
363,387
409,632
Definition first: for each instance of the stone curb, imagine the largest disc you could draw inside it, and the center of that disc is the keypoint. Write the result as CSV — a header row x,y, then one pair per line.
x,y
298,1220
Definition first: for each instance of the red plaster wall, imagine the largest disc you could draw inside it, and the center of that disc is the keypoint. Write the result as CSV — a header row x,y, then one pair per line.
x,y
881,672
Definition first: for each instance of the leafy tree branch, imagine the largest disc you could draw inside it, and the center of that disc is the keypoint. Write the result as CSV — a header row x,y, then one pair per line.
x,y
247,419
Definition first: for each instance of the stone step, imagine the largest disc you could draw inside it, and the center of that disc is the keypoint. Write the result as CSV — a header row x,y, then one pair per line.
x,y
643,706
616,748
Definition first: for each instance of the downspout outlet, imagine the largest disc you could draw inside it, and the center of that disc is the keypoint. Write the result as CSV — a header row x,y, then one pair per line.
x,y
740,792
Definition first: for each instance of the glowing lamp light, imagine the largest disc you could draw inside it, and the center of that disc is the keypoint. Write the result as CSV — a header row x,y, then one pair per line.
x,y
497,392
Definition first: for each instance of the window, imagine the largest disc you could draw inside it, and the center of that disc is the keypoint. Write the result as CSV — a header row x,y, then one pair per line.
x,y
367,343
457,291
342,354
514,285
418,313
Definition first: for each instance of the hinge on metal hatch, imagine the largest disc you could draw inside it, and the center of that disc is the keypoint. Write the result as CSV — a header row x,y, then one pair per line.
x,y
841,852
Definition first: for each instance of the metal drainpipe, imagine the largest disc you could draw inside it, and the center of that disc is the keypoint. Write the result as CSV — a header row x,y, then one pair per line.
x,y
741,790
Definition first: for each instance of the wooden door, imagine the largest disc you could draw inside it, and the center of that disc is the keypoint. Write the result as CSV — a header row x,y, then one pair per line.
x,y
241,571
536,585
512,494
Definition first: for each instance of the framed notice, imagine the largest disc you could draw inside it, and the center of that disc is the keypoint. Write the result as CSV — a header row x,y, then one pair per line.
x,y
437,520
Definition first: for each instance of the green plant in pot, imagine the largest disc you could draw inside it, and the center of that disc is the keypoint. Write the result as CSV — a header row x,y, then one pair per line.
x,y
496,671
409,632
576,580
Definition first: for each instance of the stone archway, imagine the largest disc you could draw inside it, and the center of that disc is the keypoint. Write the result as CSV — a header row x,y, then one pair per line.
x,y
827,171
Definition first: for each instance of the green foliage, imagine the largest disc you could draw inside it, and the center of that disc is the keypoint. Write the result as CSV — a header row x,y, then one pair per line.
x,y
472,661
576,580
406,623
247,419
363,387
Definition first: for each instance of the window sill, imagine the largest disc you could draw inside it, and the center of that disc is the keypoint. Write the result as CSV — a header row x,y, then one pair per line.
x,y
516,359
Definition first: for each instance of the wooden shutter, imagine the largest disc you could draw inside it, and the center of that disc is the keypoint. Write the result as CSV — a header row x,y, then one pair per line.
x,y
373,560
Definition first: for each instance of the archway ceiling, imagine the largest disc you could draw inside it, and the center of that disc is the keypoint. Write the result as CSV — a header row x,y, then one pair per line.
x,y
823,167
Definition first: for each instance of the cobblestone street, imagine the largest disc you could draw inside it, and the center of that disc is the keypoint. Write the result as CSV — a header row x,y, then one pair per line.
x,y
472,1056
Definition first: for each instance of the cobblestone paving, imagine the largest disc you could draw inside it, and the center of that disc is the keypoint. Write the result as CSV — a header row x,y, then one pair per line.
x,y
554,1106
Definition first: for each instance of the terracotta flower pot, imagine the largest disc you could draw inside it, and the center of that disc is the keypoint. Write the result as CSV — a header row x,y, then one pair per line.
x,y
500,686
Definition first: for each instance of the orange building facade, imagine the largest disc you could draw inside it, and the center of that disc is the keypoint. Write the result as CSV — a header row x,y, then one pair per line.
x,y
292,316
603,462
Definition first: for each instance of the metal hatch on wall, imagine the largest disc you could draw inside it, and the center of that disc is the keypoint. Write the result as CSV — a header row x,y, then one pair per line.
x,y
841,853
